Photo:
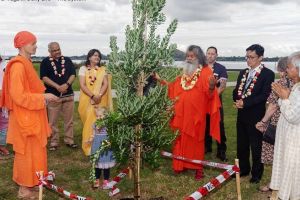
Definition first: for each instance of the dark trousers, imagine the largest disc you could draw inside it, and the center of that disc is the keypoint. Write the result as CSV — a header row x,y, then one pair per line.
x,y
106,173
221,147
248,137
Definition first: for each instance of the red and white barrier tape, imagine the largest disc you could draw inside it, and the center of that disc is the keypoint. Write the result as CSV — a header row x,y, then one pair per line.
x,y
214,183
202,162
117,179
50,177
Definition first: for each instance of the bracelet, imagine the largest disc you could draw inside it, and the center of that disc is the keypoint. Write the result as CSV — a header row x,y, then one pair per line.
x,y
68,84
92,96
263,122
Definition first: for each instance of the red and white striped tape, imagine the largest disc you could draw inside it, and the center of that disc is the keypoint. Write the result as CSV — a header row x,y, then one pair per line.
x,y
117,179
202,162
214,183
50,177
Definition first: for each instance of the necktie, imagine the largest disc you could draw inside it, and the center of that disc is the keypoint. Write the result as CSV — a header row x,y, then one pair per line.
x,y
249,79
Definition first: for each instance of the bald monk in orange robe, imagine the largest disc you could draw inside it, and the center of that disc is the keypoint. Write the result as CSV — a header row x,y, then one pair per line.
x,y
192,103
28,129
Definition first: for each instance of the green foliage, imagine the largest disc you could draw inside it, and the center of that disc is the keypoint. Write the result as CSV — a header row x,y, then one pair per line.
x,y
145,52
149,112
94,158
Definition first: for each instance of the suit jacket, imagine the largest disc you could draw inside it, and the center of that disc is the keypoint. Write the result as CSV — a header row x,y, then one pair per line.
x,y
254,105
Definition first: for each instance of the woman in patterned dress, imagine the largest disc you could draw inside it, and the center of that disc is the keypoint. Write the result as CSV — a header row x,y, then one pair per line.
x,y
272,116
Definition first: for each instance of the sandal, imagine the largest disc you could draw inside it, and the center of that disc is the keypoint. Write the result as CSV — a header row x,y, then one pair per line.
x,y
4,151
73,146
96,183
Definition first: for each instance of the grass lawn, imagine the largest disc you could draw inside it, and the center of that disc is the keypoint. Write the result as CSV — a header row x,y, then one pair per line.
x,y
72,172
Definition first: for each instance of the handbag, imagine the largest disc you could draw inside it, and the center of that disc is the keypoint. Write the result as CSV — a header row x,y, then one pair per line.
x,y
270,133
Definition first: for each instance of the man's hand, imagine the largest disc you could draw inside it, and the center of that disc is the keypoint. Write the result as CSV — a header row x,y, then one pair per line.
x,y
156,76
65,87
239,104
50,97
280,91
212,82
62,88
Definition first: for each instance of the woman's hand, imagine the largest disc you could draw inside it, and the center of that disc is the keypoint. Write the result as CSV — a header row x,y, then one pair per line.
x,y
97,99
280,91
261,126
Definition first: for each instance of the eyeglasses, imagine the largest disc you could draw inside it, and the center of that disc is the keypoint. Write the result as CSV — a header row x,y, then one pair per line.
x,y
55,50
250,57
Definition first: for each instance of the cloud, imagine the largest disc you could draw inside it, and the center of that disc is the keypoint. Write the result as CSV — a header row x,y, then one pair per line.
x,y
231,25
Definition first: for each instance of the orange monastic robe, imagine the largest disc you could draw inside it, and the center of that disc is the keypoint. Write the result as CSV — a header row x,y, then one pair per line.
x,y
28,127
191,108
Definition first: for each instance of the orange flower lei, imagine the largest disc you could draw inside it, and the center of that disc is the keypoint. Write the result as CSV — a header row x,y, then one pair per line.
x,y
92,75
243,95
187,83
63,70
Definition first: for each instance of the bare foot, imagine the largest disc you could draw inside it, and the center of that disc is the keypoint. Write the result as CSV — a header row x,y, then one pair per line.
x,y
27,193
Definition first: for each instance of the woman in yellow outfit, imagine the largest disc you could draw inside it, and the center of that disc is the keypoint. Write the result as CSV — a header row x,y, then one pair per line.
x,y
95,90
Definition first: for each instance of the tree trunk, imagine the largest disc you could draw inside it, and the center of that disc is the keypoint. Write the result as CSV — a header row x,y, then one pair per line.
x,y
138,129
138,146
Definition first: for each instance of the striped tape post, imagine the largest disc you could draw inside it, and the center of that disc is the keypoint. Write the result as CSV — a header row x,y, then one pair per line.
x,y
44,181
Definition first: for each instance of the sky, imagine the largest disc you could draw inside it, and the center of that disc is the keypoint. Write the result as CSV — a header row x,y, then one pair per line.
x,y
80,25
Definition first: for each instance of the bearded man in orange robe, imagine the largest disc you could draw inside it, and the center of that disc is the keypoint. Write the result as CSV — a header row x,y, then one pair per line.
x,y
28,129
195,96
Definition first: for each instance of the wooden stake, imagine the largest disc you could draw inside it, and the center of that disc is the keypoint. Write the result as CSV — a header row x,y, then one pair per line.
x,y
137,181
41,186
238,181
130,173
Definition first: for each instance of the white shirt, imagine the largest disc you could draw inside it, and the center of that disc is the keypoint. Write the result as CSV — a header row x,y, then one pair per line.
x,y
252,72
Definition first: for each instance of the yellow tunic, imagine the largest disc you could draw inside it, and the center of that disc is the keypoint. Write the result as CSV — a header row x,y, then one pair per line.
x,y
86,109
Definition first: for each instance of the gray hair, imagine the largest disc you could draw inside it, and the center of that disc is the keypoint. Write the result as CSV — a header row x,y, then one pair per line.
x,y
282,64
198,53
51,44
294,59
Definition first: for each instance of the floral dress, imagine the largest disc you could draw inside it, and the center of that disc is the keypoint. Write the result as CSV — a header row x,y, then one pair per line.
x,y
267,148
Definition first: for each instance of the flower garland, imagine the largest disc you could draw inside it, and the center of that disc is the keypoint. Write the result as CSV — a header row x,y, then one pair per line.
x,y
94,158
63,69
248,92
92,75
187,83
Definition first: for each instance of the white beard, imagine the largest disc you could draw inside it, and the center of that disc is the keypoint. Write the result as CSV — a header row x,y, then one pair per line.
x,y
189,68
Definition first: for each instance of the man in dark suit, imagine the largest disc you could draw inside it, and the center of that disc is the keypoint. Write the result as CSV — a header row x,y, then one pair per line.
x,y
250,96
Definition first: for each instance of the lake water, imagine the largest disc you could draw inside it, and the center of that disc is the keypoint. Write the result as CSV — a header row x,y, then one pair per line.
x,y
230,65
